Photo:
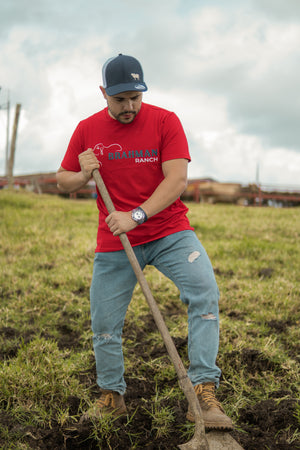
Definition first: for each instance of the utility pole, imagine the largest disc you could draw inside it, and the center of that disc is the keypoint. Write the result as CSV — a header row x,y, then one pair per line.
x,y
7,134
7,107
258,185
13,147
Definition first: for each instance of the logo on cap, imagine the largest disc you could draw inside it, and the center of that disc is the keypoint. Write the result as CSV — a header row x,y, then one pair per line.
x,y
135,76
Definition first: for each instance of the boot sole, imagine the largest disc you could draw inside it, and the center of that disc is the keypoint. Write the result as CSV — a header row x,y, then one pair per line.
x,y
212,425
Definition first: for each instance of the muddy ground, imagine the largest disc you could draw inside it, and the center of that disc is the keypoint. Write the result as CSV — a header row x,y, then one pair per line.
x,y
267,425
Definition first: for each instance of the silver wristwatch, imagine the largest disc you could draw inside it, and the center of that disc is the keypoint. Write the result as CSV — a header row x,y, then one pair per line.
x,y
139,215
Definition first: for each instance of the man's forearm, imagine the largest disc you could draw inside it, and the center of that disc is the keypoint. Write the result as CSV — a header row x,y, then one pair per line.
x,y
70,181
172,186
165,194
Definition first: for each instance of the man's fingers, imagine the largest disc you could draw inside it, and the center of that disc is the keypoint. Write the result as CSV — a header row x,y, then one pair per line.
x,y
88,162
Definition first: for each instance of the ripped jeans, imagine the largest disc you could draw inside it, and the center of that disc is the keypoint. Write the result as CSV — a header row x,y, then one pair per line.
x,y
182,258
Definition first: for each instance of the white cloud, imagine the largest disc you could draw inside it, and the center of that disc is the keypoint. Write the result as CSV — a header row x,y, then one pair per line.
x,y
232,157
229,70
279,9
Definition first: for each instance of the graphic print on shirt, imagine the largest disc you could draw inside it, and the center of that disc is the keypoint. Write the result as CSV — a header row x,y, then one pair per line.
x,y
99,148
115,152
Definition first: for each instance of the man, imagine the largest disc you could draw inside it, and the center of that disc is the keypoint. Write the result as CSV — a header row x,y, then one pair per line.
x,y
142,153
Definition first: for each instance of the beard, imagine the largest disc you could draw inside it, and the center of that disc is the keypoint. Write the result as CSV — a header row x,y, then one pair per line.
x,y
123,117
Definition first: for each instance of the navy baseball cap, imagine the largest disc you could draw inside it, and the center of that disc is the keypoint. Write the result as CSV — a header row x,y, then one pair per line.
x,y
123,73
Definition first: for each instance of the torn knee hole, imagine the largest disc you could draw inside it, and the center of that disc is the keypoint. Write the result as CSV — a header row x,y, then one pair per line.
x,y
106,337
209,316
193,256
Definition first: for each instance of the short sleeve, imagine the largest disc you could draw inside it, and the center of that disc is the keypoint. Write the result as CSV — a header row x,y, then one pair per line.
x,y
70,161
174,141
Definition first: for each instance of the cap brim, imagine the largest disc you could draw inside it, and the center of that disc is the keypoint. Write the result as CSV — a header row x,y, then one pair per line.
x,y
125,87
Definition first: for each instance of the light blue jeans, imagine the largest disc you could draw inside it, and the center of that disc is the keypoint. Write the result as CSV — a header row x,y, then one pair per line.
x,y
182,258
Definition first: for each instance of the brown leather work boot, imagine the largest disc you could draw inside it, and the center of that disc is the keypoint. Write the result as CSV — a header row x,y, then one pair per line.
x,y
109,402
213,414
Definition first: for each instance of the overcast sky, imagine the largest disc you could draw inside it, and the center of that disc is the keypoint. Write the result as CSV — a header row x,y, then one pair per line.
x,y
230,70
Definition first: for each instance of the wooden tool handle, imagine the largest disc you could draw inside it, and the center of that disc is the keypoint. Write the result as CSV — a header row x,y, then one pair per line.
x,y
184,381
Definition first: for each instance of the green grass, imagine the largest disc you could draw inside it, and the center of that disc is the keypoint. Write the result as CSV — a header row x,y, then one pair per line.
x,y
47,250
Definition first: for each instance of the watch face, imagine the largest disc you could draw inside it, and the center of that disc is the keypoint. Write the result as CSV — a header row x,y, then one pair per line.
x,y
138,215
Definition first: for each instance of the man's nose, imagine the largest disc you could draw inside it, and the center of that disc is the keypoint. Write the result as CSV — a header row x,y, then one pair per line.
x,y
129,105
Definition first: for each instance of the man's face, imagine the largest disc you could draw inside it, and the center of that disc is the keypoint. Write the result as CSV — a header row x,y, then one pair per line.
x,y
124,106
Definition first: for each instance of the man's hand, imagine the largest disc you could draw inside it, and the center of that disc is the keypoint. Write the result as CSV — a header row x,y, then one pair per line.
x,y
88,162
68,181
120,222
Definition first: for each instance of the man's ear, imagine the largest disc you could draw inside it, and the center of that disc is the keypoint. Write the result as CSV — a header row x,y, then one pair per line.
x,y
103,92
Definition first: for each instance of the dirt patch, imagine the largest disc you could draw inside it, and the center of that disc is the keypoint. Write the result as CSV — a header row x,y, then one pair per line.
x,y
269,424
280,325
266,272
12,339
259,424
68,337
223,273
253,360
236,315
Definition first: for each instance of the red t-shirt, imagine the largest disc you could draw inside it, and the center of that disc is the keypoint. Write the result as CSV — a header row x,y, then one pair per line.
x,y
131,157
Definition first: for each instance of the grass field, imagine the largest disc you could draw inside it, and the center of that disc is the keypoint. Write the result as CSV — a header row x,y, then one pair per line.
x,y
47,375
